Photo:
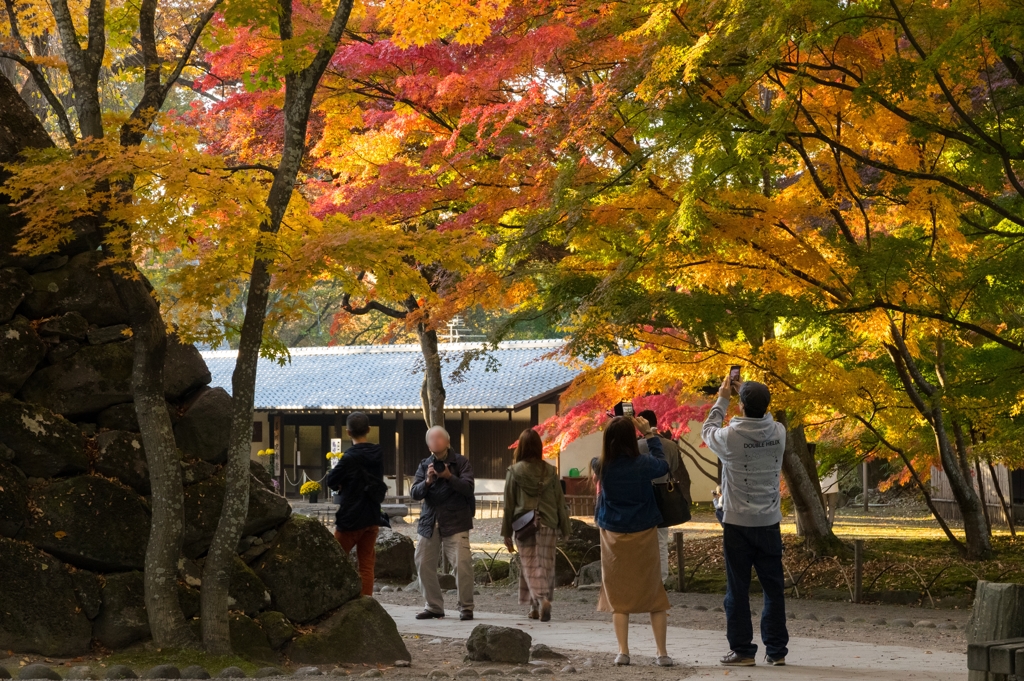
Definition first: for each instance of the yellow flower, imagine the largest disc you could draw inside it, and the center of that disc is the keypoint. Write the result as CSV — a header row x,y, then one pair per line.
x,y
310,487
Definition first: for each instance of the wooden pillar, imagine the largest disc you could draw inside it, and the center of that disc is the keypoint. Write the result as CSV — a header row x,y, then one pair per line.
x,y
399,453
680,562
325,446
277,440
465,434
858,570
339,425
864,474
534,415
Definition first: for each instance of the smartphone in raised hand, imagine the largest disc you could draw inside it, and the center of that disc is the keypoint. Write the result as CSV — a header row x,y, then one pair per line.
x,y
734,376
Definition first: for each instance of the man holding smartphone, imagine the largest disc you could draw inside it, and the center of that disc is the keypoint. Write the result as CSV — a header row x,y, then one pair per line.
x,y
750,449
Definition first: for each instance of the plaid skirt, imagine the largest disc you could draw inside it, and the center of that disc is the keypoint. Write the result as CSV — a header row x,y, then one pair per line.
x,y
537,566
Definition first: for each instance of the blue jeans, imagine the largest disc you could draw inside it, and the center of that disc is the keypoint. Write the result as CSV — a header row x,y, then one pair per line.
x,y
759,548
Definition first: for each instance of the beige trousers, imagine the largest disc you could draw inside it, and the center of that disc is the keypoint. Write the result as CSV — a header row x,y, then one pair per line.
x,y
456,550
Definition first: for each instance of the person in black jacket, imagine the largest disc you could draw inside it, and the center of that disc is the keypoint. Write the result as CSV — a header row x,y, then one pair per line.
x,y
358,517
444,483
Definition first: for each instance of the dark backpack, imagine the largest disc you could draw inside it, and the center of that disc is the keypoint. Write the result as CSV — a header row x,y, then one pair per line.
x,y
374,488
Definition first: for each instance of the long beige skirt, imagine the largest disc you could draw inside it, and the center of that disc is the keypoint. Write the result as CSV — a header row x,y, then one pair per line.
x,y
631,573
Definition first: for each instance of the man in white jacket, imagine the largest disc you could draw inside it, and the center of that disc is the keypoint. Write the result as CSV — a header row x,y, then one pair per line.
x,y
751,450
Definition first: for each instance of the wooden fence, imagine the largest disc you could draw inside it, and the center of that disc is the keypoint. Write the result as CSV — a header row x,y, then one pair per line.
x,y
942,494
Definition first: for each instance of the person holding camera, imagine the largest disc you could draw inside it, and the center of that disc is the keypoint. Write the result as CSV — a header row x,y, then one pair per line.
x,y
444,483
628,518
534,513
359,479
751,449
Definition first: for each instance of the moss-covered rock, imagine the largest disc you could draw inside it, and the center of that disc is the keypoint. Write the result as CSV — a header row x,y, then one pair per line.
x,y
21,351
184,369
92,379
306,571
360,632
121,456
246,592
277,628
203,431
15,284
203,503
248,639
13,500
88,590
91,523
81,286
45,445
122,619
395,556
39,612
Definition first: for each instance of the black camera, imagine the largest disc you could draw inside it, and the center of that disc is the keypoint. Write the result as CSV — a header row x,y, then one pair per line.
x,y
624,409
438,465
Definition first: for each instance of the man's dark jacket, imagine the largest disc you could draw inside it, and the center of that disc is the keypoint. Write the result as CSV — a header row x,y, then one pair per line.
x,y
449,503
355,510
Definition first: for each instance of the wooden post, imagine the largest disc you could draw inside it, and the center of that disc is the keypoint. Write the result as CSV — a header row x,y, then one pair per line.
x,y
864,473
858,570
998,613
399,454
680,562
534,415
465,434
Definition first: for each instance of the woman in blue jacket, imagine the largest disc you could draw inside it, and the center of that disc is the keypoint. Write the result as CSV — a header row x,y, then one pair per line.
x,y
628,517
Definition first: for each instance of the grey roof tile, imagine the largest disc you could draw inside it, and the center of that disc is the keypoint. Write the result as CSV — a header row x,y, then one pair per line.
x,y
387,377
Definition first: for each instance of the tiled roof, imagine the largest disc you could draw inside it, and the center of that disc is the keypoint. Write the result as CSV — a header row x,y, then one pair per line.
x,y
389,377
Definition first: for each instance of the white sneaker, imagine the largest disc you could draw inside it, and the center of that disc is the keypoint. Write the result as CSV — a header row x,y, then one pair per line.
x,y
664,661
621,660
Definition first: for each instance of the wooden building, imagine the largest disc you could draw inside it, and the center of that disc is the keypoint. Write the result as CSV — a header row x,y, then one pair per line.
x,y
1006,488
301,405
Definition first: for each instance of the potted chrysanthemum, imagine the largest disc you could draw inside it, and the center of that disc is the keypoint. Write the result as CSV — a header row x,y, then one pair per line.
x,y
311,490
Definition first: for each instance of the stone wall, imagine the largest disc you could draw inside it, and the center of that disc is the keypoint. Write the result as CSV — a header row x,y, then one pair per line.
x,y
74,512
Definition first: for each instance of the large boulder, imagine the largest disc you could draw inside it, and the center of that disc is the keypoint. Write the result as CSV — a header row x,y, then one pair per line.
x,y
44,444
306,571
361,632
121,456
15,284
91,523
248,640
203,503
184,369
21,351
88,590
92,379
68,326
203,431
395,556
246,592
81,286
277,628
122,619
119,417
13,500
260,472
488,643
38,609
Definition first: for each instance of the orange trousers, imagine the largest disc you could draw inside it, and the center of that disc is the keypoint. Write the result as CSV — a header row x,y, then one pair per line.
x,y
365,541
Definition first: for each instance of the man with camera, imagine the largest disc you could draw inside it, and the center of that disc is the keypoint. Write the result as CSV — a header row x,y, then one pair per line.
x,y
751,450
444,483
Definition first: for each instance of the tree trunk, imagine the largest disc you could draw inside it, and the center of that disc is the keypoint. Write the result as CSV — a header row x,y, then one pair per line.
x,y
1007,511
979,546
928,401
802,480
166,620
217,570
298,100
19,128
432,394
